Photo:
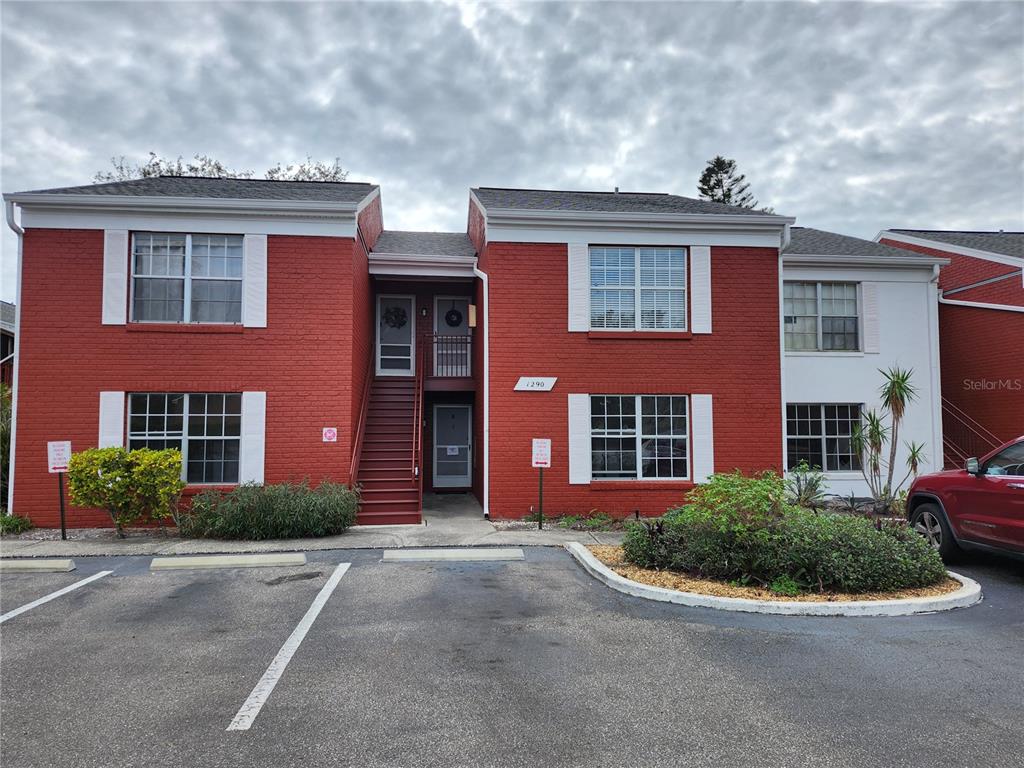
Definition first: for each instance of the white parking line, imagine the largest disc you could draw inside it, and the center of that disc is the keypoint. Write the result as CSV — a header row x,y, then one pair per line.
x,y
52,595
265,686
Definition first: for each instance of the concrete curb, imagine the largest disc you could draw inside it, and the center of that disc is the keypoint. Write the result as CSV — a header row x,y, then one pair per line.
x,y
451,554
228,561
967,595
36,566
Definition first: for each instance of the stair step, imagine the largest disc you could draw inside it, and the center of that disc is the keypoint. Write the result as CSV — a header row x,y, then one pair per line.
x,y
388,518
384,475
412,505
392,493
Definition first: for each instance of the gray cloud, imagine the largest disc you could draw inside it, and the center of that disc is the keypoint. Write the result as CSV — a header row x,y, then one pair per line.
x,y
852,117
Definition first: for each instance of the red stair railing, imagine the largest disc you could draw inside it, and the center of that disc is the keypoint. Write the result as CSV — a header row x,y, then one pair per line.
x,y
357,444
417,425
963,436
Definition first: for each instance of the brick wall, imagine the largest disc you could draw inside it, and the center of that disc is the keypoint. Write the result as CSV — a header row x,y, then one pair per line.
x,y
303,360
738,364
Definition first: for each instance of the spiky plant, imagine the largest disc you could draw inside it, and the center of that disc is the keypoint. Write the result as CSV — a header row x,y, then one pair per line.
x,y
897,392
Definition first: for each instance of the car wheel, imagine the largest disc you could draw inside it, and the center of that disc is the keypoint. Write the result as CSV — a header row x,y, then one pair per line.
x,y
929,521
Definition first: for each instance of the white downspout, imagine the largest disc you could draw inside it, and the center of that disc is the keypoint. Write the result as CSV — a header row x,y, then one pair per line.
x,y
9,209
935,355
487,390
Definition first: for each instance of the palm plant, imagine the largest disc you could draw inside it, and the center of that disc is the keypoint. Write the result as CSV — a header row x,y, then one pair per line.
x,y
874,436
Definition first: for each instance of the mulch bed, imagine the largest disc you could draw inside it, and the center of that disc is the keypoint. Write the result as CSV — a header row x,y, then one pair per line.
x,y
614,559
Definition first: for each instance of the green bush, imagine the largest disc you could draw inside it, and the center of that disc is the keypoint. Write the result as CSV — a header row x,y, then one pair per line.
x,y
131,485
281,511
14,524
750,540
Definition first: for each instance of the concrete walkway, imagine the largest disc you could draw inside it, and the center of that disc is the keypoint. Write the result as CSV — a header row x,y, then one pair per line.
x,y
451,520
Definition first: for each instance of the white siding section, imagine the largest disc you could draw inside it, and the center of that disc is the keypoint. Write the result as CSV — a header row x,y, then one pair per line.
x,y
254,437
111,433
700,289
869,306
254,297
579,288
115,276
579,440
702,437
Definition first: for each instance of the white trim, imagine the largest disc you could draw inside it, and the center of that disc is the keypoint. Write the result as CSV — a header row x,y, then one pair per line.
x,y
580,460
111,420
980,305
782,357
116,255
702,437
252,450
184,204
578,273
412,336
469,446
487,389
254,281
935,371
362,204
700,289
19,233
839,260
415,265
960,250
639,236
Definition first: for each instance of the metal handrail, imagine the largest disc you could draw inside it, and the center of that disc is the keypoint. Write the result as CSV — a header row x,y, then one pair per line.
x,y
963,436
452,355
357,443
417,426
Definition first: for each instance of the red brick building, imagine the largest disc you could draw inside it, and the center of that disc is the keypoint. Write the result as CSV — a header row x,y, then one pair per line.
x,y
276,331
981,321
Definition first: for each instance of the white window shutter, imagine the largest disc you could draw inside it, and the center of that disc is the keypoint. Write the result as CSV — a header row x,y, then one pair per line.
x,y
254,301
700,289
579,440
115,277
869,303
702,437
579,287
111,420
254,437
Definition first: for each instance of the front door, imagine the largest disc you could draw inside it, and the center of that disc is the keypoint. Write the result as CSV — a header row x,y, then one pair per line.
x,y
396,337
453,429
452,339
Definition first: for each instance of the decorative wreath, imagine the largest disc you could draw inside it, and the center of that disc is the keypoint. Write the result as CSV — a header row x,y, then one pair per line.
x,y
395,317
453,317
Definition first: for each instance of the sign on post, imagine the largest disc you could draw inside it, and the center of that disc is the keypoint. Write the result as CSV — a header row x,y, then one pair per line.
x,y
58,454
542,452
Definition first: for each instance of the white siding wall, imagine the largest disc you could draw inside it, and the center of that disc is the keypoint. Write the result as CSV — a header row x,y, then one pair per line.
x,y
906,306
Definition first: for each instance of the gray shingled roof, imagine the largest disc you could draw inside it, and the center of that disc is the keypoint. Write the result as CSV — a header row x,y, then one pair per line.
x,y
7,316
424,243
234,189
1004,243
818,242
601,202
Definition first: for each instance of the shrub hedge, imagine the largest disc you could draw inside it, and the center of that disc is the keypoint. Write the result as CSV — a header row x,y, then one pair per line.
x,y
280,511
736,531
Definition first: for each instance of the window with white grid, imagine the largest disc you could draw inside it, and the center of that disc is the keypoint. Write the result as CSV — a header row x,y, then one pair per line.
x,y
206,428
639,437
183,278
622,277
821,434
820,316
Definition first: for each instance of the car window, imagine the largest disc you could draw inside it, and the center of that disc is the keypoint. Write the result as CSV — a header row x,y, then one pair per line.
x,y
1009,461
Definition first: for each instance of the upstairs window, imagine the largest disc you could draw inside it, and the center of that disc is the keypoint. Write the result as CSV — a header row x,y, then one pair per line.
x,y
206,428
180,278
637,288
820,317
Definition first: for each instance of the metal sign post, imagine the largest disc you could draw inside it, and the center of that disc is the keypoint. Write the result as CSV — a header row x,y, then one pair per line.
x,y
58,454
541,459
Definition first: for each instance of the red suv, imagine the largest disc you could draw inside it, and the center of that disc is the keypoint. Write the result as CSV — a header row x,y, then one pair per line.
x,y
978,507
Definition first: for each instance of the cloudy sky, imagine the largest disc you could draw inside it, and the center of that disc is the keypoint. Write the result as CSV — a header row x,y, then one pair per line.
x,y
851,117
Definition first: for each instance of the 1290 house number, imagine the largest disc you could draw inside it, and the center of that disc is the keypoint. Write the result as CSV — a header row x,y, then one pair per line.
x,y
535,383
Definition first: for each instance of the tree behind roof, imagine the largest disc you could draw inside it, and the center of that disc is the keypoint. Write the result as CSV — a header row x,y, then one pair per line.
x,y
208,167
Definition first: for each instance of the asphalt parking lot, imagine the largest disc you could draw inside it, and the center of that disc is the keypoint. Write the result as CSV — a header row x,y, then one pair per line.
x,y
491,664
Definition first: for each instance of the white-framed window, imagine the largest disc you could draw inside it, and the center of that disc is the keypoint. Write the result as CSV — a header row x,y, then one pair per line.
x,y
637,288
184,278
639,437
822,435
821,316
206,428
